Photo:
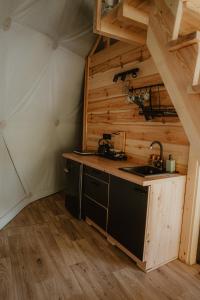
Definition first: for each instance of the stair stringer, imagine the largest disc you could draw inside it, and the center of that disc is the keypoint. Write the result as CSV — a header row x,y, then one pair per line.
x,y
173,72
177,76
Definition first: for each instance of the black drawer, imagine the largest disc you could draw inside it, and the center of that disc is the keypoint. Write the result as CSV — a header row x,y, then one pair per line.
x,y
96,173
96,189
96,213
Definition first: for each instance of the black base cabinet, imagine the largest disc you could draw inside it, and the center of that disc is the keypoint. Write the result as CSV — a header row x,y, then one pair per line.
x,y
73,188
127,214
114,204
118,209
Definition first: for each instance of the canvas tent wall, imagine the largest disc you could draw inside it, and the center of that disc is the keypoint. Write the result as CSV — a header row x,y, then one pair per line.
x,y
42,48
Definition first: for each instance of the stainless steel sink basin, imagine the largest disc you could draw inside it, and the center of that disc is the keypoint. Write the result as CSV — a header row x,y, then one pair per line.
x,y
143,170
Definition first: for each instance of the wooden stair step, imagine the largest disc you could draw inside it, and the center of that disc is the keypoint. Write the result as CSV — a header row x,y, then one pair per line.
x,y
111,16
187,17
129,13
194,89
191,16
125,23
184,41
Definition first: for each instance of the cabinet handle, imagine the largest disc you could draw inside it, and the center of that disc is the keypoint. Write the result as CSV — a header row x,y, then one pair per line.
x,y
66,170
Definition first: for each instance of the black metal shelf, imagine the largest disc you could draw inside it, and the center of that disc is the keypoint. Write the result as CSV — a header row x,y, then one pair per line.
x,y
142,96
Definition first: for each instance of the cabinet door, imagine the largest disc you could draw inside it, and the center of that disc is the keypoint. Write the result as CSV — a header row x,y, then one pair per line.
x,y
73,187
127,214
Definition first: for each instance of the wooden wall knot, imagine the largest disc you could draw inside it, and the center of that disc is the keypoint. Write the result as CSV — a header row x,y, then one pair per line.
x,y
39,261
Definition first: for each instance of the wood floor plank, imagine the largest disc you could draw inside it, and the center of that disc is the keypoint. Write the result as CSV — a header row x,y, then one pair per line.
x,y
87,280
70,251
23,219
53,207
20,269
38,264
45,209
4,251
138,286
7,282
63,276
46,254
36,214
66,227
97,284
98,241
103,258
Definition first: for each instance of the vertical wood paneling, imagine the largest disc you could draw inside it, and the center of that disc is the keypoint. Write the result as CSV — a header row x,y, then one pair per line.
x,y
109,111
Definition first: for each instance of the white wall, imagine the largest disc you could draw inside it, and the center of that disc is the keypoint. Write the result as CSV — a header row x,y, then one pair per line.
x,y
40,104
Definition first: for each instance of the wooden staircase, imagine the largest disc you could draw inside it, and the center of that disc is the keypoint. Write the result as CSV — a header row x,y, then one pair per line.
x,y
173,41
189,17
127,21
186,33
191,42
173,27
176,24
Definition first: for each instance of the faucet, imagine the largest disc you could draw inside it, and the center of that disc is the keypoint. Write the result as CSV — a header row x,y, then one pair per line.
x,y
160,162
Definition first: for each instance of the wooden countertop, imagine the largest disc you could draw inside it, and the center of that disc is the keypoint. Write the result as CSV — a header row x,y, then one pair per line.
x,y
112,167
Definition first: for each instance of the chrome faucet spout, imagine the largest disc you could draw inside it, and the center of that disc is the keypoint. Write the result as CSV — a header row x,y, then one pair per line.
x,y
161,150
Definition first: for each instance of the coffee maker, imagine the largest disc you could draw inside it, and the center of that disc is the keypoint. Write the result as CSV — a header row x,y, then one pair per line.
x,y
106,149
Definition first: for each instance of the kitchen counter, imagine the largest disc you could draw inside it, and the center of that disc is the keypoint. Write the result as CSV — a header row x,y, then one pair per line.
x,y
149,217
112,167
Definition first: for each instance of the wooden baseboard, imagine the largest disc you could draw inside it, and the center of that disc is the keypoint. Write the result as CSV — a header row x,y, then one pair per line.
x,y
4,220
161,264
91,223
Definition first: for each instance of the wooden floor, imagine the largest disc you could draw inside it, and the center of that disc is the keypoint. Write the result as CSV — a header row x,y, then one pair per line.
x,y
47,254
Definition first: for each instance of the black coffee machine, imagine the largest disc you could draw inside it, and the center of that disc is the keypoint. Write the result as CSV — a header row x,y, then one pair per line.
x,y
105,149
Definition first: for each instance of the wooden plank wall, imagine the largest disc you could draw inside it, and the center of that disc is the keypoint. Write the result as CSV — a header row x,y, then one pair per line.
x,y
108,110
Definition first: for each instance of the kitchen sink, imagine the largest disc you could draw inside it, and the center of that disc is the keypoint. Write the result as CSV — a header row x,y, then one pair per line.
x,y
143,170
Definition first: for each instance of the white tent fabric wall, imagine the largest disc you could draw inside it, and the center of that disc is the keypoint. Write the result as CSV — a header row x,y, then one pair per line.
x,y
40,95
